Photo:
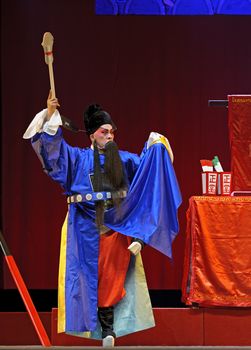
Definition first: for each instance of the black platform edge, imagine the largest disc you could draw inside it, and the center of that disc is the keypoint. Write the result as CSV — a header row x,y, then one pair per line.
x,y
46,299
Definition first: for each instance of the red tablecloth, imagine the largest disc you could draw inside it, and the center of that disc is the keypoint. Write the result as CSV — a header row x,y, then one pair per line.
x,y
217,266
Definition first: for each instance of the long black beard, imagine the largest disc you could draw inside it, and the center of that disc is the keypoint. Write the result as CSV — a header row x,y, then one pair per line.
x,y
111,180
113,168
98,187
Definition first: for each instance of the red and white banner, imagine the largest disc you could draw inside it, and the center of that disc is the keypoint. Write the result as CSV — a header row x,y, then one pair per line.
x,y
239,119
225,183
209,183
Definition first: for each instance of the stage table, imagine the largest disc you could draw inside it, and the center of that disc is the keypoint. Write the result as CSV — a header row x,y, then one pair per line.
x,y
217,265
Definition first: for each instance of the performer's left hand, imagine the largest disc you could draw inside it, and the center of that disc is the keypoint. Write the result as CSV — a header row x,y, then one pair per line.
x,y
135,248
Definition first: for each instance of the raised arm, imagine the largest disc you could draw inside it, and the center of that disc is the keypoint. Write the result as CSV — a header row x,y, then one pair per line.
x,y
57,157
48,120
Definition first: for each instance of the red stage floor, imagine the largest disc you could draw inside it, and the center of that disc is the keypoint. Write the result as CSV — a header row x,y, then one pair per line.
x,y
174,327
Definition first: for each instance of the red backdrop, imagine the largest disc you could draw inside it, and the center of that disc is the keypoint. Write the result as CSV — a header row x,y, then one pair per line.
x,y
152,74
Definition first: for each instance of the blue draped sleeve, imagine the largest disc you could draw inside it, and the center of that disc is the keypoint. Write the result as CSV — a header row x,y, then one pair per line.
x,y
150,210
59,160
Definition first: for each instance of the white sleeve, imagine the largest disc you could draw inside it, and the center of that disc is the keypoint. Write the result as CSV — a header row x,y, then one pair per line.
x,y
39,124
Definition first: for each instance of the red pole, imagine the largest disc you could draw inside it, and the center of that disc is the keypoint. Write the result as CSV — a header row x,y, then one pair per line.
x,y
24,294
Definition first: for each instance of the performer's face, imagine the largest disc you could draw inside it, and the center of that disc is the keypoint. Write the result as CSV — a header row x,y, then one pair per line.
x,y
103,135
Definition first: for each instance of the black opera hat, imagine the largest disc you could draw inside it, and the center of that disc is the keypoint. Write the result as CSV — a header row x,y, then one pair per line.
x,y
95,117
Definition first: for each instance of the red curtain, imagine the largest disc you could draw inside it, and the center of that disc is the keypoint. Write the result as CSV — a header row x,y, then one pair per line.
x,y
239,119
151,73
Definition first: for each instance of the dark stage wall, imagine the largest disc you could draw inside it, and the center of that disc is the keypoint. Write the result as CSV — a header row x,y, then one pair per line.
x,y
151,73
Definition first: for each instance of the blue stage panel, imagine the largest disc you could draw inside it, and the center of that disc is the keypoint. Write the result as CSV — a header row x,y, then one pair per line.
x,y
106,7
192,7
149,7
234,7
173,7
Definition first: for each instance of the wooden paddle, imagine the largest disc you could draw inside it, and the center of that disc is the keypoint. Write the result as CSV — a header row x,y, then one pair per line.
x,y
47,44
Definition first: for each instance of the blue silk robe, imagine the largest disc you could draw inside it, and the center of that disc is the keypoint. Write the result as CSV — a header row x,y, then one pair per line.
x,y
149,212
